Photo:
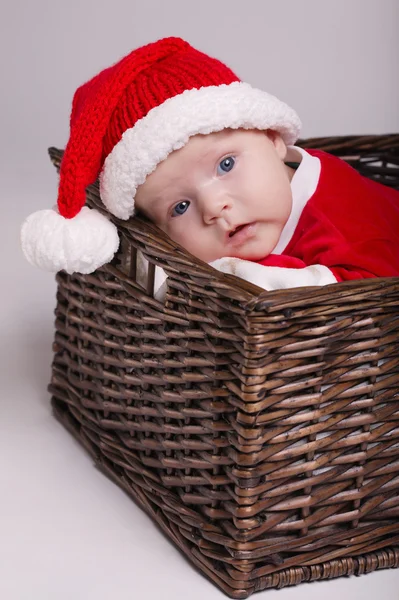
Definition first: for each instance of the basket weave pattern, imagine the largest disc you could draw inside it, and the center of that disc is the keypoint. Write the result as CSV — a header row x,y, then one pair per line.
x,y
260,430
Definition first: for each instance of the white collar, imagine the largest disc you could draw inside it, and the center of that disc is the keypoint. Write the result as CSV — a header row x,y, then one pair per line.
x,y
303,186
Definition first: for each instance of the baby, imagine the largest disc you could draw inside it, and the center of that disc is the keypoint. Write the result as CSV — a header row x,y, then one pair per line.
x,y
174,134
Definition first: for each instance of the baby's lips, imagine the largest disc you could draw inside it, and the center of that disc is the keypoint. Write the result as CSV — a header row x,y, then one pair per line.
x,y
241,234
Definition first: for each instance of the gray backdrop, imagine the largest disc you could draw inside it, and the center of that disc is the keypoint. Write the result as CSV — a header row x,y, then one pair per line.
x,y
66,531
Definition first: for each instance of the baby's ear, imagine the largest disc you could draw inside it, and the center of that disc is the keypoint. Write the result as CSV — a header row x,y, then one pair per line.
x,y
278,142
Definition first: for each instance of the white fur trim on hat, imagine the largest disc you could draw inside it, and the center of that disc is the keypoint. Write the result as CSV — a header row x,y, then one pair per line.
x,y
169,126
81,244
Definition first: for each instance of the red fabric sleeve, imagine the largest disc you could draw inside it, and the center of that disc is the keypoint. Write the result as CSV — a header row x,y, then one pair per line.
x,y
282,260
350,225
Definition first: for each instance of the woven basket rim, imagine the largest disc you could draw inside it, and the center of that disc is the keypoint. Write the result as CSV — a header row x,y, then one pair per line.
x,y
139,229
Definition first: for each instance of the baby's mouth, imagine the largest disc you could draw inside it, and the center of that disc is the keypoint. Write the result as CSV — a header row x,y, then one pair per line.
x,y
236,230
241,233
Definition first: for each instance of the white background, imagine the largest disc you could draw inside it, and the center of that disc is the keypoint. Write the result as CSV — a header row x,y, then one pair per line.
x,y
66,531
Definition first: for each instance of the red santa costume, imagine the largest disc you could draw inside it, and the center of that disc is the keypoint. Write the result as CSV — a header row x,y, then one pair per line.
x,y
339,219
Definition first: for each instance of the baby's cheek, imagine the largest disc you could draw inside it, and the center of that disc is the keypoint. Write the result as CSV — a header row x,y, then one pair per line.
x,y
280,204
202,245
286,206
184,234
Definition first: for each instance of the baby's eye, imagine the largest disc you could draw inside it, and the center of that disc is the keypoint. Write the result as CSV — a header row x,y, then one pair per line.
x,y
226,165
180,208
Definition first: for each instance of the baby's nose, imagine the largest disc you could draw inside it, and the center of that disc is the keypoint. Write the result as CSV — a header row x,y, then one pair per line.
x,y
214,205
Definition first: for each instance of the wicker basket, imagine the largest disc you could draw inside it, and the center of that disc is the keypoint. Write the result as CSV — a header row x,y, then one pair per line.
x,y
260,430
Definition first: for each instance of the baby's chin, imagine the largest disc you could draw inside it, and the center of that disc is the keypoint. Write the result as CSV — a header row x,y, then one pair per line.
x,y
254,250
243,255
254,253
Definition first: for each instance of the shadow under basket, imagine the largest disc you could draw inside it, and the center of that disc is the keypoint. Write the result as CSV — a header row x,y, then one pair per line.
x,y
260,430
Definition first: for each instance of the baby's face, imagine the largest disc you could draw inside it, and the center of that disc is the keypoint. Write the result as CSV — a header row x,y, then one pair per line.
x,y
222,194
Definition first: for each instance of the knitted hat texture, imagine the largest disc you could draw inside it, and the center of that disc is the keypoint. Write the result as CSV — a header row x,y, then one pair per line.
x,y
124,122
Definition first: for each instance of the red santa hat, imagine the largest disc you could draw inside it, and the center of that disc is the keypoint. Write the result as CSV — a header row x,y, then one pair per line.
x,y
124,122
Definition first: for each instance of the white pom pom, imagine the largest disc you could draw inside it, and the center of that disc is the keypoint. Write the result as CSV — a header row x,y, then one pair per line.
x,y
78,245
